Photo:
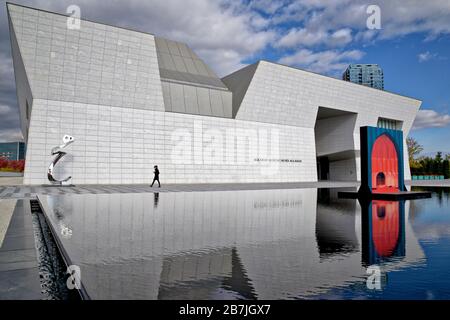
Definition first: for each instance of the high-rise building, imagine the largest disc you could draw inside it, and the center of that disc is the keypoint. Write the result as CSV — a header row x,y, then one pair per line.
x,y
370,75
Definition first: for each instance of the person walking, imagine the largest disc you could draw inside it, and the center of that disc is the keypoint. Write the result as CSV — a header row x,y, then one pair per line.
x,y
156,177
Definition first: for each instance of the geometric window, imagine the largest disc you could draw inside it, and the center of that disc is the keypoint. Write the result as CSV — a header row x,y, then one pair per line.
x,y
389,124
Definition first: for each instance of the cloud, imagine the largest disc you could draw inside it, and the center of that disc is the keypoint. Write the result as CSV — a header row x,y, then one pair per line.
x,y
322,61
4,110
296,37
307,38
398,17
11,135
430,119
425,56
342,36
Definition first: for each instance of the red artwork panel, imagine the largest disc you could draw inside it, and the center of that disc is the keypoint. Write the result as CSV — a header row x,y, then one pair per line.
x,y
384,165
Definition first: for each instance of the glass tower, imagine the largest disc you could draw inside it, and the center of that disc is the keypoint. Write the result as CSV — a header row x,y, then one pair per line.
x,y
367,74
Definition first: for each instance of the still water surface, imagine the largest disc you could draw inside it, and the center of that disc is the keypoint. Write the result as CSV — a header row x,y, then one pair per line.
x,y
262,244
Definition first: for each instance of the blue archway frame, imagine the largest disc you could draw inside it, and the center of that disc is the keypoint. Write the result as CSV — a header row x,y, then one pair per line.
x,y
368,136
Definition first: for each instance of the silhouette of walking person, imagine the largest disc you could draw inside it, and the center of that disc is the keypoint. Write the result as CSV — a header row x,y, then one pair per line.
x,y
156,177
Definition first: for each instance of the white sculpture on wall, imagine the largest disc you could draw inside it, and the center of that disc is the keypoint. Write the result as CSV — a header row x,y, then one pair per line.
x,y
59,154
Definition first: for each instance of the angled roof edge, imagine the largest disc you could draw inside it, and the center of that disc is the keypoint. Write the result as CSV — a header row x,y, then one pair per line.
x,y
19,67
340,80
82,19
238,83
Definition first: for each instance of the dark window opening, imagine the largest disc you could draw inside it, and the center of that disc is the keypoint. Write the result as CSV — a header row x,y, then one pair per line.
x,y
381,179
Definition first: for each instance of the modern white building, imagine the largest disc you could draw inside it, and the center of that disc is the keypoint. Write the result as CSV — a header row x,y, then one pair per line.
x,y
132,100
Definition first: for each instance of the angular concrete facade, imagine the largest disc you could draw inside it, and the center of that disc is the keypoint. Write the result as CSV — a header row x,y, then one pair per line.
x,y
132,100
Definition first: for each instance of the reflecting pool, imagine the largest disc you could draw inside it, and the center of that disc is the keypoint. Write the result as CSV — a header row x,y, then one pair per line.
x,y
258,244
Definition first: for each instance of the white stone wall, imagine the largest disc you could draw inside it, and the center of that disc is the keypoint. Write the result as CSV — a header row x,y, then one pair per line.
x,y
97,64
121,145
284,95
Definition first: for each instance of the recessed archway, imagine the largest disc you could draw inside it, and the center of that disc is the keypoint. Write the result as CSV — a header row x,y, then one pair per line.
x,y
335,148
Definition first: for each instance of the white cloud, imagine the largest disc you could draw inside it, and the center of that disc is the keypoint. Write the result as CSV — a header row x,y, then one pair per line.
x,y
301,37
342,36
4,109
430,119
6,70
329,61
296,37
425,56
10,135
398,17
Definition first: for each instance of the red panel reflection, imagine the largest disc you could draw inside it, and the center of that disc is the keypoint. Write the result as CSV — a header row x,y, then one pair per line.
x,y
385,226
384,165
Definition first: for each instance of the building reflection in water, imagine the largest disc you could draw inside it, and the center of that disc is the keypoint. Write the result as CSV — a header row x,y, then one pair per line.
x,y
335,224
252,244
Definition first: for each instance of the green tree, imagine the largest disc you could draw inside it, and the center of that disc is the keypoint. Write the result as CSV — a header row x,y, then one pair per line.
x,y
446,168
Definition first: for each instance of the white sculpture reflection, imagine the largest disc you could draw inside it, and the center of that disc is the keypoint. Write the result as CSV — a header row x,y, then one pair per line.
x,y
66,232
59,154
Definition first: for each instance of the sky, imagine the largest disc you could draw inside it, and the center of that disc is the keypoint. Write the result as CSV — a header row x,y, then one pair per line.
x,y
412,44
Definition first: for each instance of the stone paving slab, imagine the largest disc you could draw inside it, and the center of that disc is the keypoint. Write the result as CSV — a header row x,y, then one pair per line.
x,y
6,211
19,272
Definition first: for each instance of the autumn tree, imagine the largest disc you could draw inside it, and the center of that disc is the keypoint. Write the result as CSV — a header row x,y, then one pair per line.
x,y
414,149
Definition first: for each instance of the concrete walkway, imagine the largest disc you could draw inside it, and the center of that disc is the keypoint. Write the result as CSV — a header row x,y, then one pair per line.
x,y
27,191
6,211
5,181
17,191
19,272
431,183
